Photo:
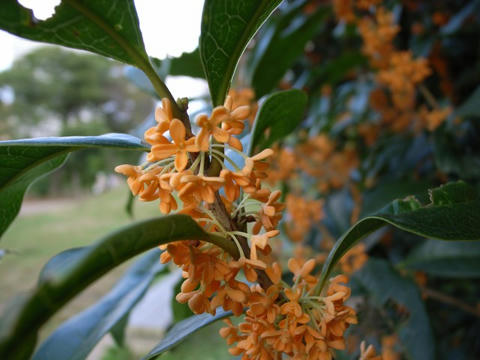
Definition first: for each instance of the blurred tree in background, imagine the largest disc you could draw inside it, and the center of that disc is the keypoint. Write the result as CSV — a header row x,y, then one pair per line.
x,y
56,92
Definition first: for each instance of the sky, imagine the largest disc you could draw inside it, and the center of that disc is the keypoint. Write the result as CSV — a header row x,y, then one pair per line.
x,y
169,27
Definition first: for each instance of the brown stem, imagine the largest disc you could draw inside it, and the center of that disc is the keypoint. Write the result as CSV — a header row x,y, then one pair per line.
x,y
428,96
434,294
227,222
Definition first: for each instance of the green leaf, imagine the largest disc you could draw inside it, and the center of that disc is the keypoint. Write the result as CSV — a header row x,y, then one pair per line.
x,y
280,113
335,70
385,284
455,22
205,341
183,329
60,263
456,260
24,161
129,205
24,318
452,214
227,27
456,158
388,190
108,28
285,47
187,64
118,330
76,337
471,106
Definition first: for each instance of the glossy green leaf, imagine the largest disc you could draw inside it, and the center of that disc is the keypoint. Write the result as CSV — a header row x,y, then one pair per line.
x,y
388,190
118,331
335,70
60,263
205,341
447,259
384,283
75,338
455,22
129,204
187,64
280,113
471,106
183,329
108,28
24,318
452,214
227,27
24,161
284,48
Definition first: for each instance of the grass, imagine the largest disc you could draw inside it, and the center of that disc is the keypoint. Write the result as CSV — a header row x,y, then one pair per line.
x,y
33,239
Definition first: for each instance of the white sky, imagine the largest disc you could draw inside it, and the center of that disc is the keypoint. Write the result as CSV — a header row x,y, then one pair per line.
x,y
169,27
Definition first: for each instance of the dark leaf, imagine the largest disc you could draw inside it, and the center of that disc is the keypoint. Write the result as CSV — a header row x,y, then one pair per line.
x,y
452,214
24,318
280,113
471,106
384,283
456,22
108,28
118,330
457,260
283,49
183,329
227,27
75,338
24,161
187,64
205,341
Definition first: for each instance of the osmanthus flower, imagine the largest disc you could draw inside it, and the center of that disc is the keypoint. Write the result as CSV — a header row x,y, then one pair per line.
x,y
296,320
301,215
270,213
209,126
292,321
133,173
179,169
368,353
163,116
354,259
180,146
261,242
242,97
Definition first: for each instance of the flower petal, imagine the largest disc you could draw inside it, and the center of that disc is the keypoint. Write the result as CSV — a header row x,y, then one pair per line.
x,y
177,131
181,160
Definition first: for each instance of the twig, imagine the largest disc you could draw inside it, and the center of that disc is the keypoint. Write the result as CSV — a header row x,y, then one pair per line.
x,y
434,294
428,96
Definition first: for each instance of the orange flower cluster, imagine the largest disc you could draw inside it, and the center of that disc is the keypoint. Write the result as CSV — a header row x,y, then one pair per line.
x,y
177,169
303,213
399,74
354,259
242,97
368,353
318,158
344,9
292,321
